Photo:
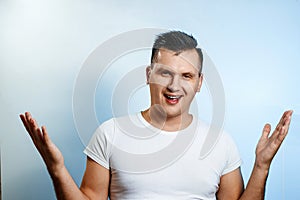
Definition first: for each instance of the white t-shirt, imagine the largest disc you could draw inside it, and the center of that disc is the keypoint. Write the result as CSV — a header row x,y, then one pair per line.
x,y
147,163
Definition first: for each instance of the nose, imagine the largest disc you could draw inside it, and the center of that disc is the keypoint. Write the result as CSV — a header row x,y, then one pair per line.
x,y
174,84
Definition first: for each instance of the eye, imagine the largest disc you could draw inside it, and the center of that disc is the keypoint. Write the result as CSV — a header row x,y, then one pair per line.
x,y
187,76
166,73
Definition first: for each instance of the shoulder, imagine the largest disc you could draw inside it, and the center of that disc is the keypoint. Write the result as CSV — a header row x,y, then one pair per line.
x,y
220,135
106,126
117,124
214,139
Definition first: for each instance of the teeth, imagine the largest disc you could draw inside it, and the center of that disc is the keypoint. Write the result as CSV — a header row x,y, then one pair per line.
x,y
173,97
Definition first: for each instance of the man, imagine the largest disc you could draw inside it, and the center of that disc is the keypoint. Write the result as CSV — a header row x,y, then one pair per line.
x,y
174,78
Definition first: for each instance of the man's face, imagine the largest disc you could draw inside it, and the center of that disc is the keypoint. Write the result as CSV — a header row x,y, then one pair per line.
x,y
174,80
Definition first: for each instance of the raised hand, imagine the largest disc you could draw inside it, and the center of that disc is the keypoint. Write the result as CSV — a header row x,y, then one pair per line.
x,y
267,145
51,155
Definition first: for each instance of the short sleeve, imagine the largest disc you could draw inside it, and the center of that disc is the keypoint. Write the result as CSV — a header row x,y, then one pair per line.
x,y
233,156
99,146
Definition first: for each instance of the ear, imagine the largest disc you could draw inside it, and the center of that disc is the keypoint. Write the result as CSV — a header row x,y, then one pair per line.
x,y
148,72
200,82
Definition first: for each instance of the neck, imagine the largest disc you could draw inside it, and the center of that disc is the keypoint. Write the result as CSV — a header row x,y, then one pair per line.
x,y
159,119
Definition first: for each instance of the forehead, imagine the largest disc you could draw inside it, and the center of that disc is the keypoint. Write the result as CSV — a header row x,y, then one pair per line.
x,y
188,58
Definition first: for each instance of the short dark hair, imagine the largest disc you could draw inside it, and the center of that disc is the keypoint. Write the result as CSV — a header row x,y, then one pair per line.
x,y
176,41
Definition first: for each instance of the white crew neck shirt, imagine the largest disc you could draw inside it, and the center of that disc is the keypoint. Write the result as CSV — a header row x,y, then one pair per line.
x,y
148,163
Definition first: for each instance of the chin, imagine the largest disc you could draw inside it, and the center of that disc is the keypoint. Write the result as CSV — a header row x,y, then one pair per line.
x,y
173,113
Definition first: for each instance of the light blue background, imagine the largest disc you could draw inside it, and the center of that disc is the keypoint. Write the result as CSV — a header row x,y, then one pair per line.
x,y
255,46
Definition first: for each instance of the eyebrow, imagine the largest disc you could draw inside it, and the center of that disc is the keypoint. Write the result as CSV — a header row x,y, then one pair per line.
x,y
163,68
169,69
189,73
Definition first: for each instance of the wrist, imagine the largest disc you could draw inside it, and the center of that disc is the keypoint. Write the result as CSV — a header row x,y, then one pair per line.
x,y
56,172
261,166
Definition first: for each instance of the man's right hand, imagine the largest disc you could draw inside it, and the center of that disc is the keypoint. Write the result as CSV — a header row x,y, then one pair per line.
x,y
51,155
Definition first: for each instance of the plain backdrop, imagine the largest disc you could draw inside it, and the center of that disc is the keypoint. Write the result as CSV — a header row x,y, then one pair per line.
x,y
255,46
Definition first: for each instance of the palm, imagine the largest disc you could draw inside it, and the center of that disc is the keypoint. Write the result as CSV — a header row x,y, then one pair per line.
x,y
51,155
268,146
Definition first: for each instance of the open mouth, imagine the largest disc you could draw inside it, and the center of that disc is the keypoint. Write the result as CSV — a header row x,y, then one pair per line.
x,y
172,99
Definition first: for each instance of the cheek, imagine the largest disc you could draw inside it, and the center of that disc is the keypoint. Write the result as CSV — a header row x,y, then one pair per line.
x,y
190,88
155,89
160,81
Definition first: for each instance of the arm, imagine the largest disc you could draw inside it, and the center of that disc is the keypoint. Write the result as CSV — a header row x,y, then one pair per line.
x,y
266,149
95,181
231,184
